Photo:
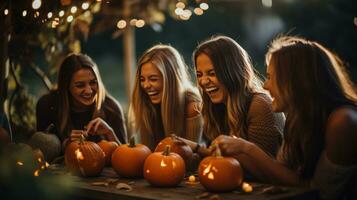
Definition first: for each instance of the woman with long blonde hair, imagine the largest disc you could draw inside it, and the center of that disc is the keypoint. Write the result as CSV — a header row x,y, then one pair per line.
x,y
164,101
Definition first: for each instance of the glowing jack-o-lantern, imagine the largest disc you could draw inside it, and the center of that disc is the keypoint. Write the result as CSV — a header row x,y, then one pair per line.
x,y
84,157
220,174
164,169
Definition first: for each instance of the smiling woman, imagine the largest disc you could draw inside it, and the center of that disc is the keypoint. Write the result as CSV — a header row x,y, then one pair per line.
x,y
80,105
164,101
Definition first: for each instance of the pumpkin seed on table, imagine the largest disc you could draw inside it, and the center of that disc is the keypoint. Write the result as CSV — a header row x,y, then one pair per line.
x,y
124,186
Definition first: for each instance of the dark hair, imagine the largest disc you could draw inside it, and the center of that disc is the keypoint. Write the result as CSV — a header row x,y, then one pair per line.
x,y
70,65
313,81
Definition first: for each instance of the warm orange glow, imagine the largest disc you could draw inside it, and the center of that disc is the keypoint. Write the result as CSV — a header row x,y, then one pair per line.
x,y
247,187
163,164
79,155
147,171
39,160
47,165
20,163
192,178
208,169
173,164
36,173
211,176
215,169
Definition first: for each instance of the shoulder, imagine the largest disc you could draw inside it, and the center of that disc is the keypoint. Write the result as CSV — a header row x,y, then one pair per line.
x,y
193,108
260,102
341,134
48,100
111,104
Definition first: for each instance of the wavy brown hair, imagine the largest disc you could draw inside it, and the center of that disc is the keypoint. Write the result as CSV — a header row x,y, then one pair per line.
x,y
313,81
234,70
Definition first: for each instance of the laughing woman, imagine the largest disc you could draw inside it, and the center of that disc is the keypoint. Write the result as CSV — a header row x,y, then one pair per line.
x,y
164,100
81,105
309,83
234,102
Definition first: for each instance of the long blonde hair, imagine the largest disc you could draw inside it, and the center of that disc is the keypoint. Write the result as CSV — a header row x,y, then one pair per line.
x,y
143,116
235,72
70,65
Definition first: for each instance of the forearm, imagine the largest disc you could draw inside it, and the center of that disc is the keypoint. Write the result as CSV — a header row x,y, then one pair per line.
x,y
267,168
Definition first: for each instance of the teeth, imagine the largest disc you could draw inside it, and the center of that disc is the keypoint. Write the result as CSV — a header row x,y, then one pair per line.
x,y
210,89
152,93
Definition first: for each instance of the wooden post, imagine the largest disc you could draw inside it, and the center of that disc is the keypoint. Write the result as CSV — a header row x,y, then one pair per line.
x,y
4,60
129,51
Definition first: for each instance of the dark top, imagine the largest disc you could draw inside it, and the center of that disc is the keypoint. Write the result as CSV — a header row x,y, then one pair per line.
x,y
112,114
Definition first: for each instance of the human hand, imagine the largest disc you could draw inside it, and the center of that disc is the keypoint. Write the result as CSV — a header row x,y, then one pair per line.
x,y
77,134
231,146
98,127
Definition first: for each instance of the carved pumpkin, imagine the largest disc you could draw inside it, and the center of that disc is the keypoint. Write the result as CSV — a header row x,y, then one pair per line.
x,y
23,156
49,143
84,157
128,159
177,146
220,174
108,148
164,169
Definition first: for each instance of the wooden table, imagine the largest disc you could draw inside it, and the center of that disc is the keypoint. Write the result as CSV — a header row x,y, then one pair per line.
x,y
141,189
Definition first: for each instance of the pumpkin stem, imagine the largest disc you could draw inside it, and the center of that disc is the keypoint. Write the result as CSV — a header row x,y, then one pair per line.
x,y
132,142
217,151
173,135
49,128
167,150
82,139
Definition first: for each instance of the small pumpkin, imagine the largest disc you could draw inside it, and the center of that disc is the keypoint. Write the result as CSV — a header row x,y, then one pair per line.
x,y
84,157
128,159
22,155
49,143
108,148
177,146
164,169
220,174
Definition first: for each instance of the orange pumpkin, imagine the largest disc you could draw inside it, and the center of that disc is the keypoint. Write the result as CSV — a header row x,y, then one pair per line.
x,y
128,159
177,146
108,148
164,169
220,174
84,157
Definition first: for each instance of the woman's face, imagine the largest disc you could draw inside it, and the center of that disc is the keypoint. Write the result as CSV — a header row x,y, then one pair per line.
x,y
83,88
278,104
151,82
208,81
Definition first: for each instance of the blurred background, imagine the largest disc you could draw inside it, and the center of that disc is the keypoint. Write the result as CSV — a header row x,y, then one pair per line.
x,y
116,32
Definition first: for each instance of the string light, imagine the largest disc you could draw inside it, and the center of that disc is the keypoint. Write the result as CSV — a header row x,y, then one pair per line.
x,y
198,11
121,24
180,5
133,22
85,5
69,18
73,9
6,12
49,15
61,13
36,4
37,14
140,23
179,11
24,13
204,6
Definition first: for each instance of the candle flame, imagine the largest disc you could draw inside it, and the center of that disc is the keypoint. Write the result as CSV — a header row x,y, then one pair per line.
x,y
79,155
173,164
211,176
36,173
163,164
208,168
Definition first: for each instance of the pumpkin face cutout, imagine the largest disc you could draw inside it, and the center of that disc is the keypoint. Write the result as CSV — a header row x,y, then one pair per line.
x,y
164,169
84,157
128,159
49,143
220,174
108,148
177,146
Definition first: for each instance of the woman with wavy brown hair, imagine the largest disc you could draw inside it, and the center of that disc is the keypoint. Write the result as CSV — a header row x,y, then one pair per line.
x,y
164,101
309,83
234,102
